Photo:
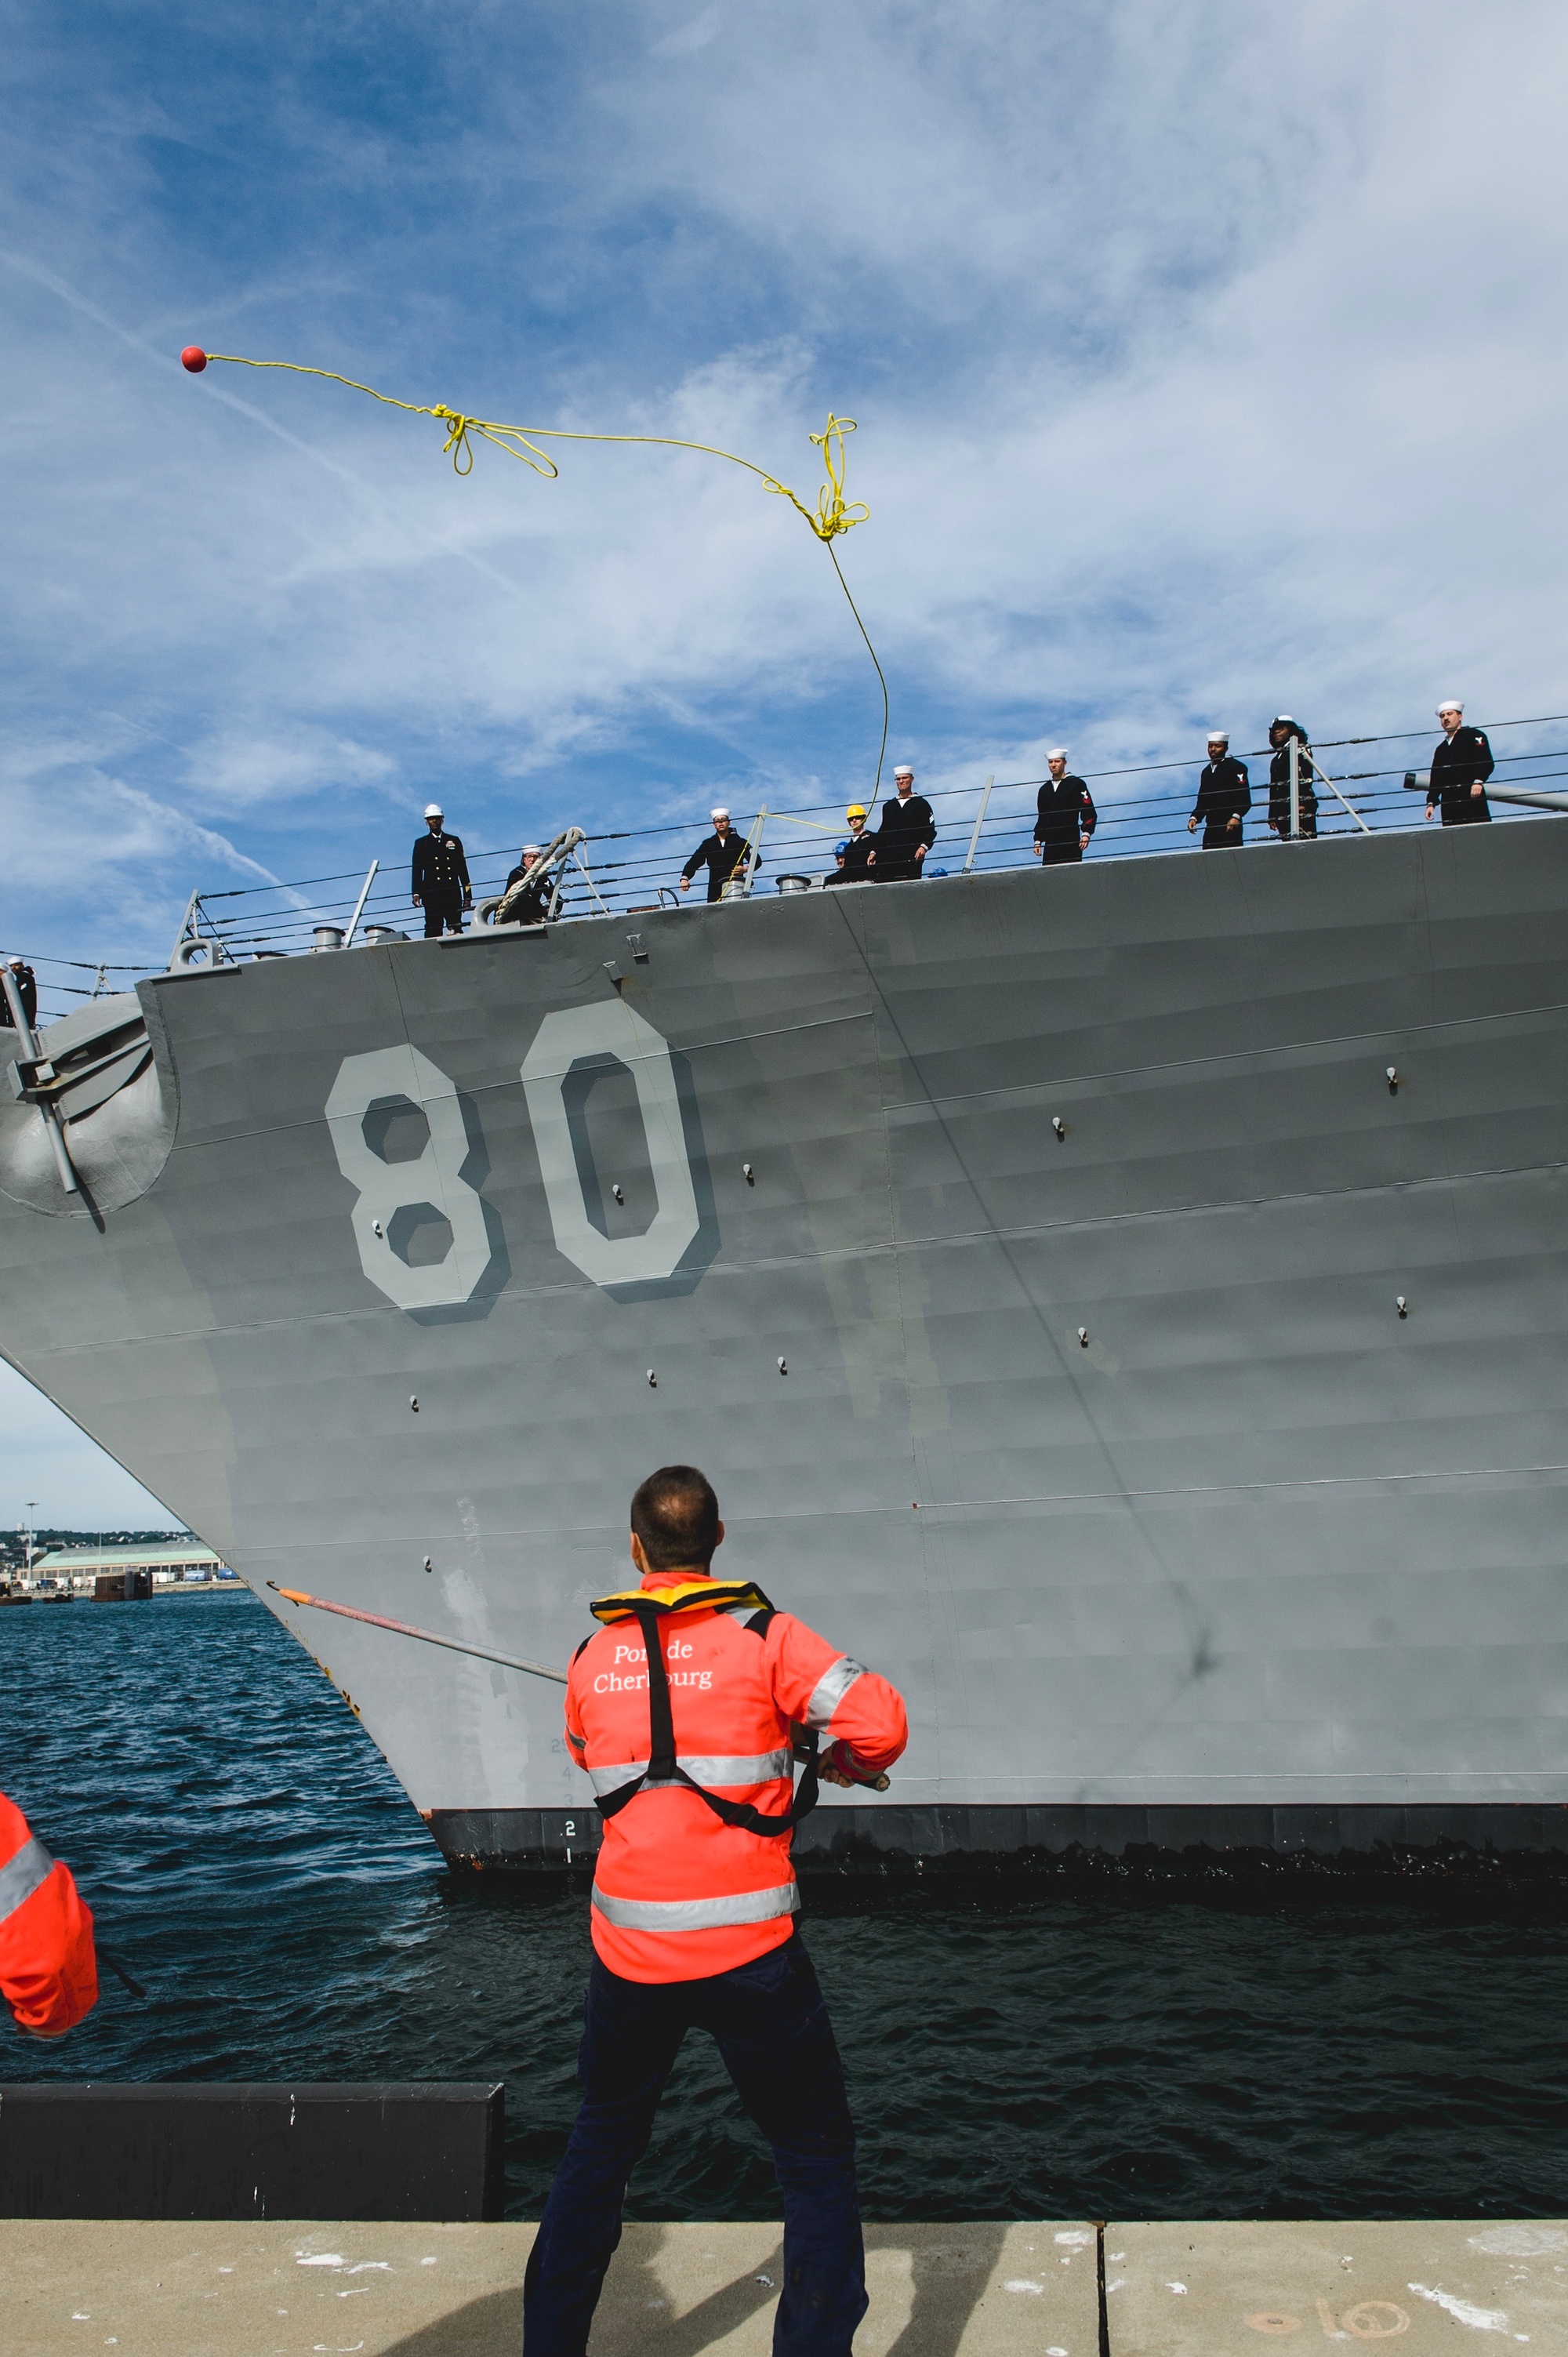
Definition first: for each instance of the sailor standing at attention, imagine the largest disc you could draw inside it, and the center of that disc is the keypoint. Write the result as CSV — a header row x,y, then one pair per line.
x,y
1460,768
721,853
48,1974
693,1909
1282,733
1224,796
906,832
1066,814
441,886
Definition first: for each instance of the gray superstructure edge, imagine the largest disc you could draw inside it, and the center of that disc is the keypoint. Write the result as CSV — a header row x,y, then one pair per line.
x,y
1196,1469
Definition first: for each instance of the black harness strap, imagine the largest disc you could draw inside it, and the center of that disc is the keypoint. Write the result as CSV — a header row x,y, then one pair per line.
x,y
663,1768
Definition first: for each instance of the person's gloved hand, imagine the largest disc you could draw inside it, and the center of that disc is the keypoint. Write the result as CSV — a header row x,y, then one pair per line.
x,y
837,1765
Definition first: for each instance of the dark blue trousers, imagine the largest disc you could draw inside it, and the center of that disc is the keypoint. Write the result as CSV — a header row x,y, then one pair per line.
x,y
773,2032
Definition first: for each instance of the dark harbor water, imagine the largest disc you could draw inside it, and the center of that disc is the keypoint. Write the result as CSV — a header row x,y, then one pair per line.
x,y
1068,2051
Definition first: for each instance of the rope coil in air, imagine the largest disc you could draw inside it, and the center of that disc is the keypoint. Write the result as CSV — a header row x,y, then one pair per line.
x,y
833,516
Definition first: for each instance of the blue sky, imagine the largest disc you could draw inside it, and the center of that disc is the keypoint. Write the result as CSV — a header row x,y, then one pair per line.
x,y
1208,362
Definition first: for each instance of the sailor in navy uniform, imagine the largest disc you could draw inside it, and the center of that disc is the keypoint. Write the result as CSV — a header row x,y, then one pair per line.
x,y
441,886
1460,768
721,853
906,832
532,904
1282,733
1066,817
1224,796
856,855
26,984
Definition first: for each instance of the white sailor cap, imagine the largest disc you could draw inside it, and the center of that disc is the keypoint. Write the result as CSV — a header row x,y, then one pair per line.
x,y
903,771
434,810
720,809
1056,753
1450,704
532,850
1219,737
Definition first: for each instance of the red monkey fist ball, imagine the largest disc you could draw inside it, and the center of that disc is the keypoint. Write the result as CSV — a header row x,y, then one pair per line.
x,y
194,358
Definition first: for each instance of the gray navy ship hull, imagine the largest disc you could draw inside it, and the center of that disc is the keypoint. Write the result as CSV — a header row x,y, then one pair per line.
x,y
1196,1468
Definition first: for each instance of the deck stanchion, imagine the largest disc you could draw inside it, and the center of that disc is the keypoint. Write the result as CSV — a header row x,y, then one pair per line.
x,y
980,822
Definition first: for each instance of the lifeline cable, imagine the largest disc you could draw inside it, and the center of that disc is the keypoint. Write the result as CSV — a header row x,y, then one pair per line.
x,y
832,516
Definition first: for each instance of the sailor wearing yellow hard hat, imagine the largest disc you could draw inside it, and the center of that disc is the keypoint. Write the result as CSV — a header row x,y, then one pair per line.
x,y
855,856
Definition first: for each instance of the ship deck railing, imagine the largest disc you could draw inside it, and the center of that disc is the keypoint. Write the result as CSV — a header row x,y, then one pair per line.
x,y
982,829
985,827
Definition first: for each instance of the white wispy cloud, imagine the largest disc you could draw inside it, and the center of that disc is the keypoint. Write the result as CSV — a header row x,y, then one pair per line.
x,y
1207,359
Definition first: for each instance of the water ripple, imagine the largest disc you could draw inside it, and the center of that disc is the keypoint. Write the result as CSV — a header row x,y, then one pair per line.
x,y
1054,2054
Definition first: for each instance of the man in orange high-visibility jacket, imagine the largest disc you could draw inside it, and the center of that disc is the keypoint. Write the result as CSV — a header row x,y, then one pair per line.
x,y
683,1709
48,1975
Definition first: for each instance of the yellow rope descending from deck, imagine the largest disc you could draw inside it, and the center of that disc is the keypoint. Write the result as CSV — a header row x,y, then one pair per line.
x,y
832,516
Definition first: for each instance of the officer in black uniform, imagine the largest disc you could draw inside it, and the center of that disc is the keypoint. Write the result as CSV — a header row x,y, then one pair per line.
x,y
721,853
1066,817
1282,733
532,904
441,886
1460,768
26,984
906,832
857,857
1224,796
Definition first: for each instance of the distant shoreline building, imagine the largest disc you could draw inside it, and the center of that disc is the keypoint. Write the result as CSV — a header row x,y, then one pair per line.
x,y
172,1563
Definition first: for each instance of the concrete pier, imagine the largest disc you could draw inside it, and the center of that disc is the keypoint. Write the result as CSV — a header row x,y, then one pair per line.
x,y
989,2290
1431,2286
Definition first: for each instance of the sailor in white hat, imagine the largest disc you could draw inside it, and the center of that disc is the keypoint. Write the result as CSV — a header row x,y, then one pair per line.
x,y
906,831
522,903
1064,816
1460,768
441,886
721,853
1224,796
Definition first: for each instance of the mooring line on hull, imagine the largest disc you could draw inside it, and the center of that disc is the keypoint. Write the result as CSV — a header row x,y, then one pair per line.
x,y
426,1636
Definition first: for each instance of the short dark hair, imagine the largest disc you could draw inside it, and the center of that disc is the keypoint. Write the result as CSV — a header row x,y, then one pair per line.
x,y
675,1514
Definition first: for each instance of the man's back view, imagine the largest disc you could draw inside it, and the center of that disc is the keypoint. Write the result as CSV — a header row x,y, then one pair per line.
x,y
681,1709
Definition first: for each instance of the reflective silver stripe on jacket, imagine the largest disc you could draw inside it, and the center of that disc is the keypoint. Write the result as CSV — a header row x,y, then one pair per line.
x,y
697,1914
831,1688
22,1874
702,1768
